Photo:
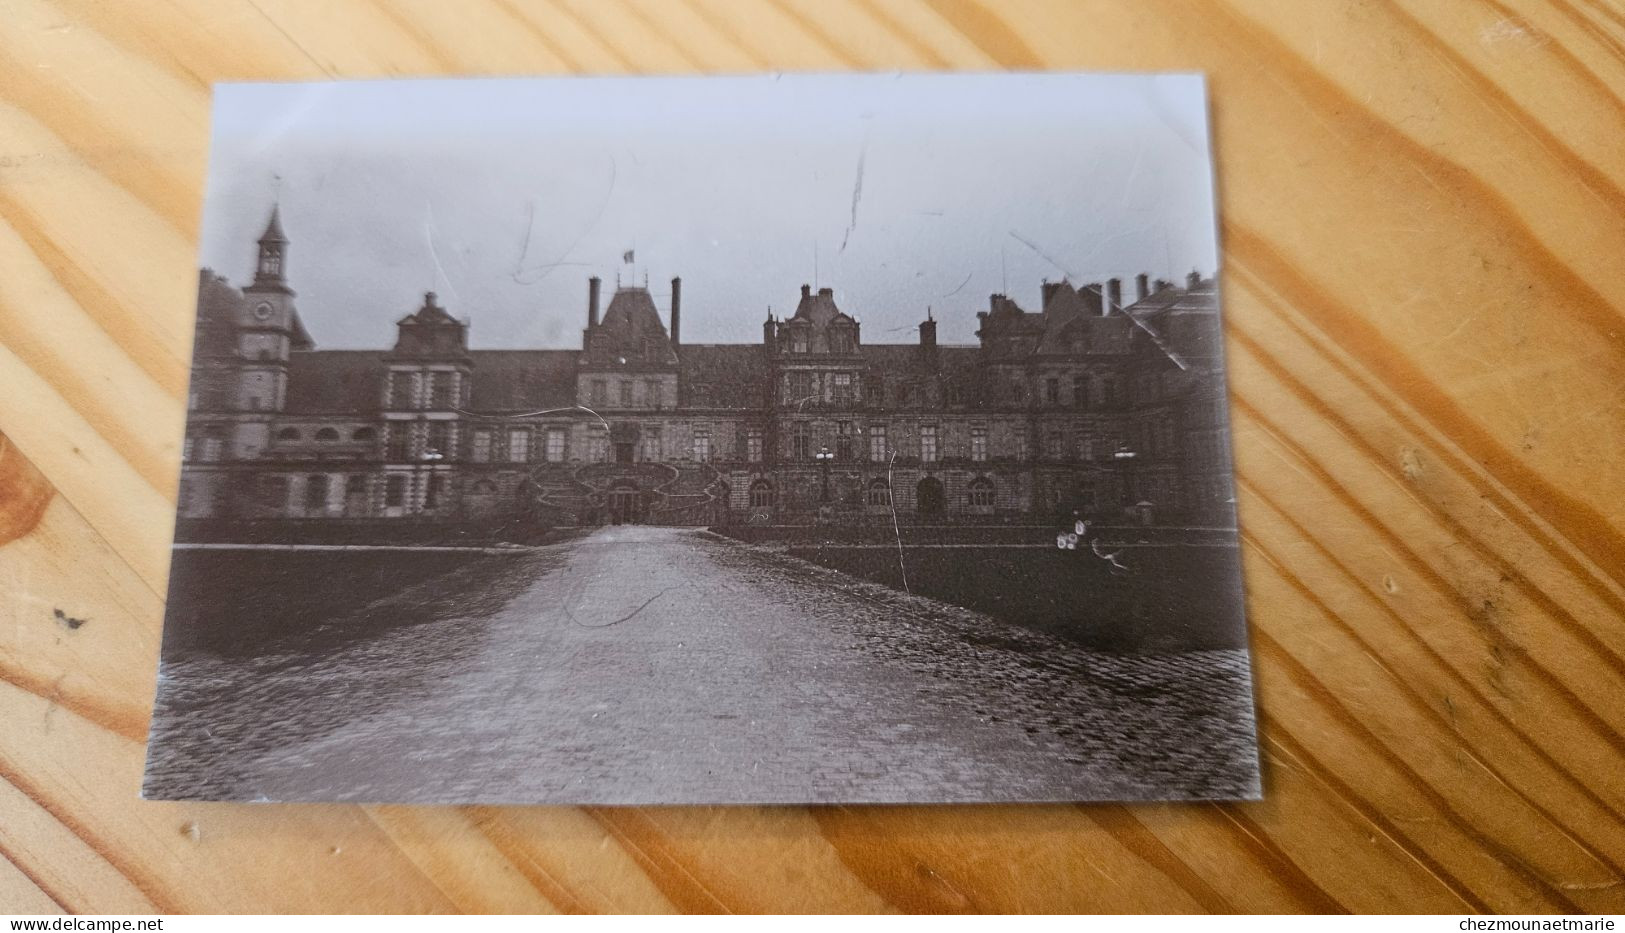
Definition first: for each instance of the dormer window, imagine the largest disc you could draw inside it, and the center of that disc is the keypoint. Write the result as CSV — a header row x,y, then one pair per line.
x,y
798,342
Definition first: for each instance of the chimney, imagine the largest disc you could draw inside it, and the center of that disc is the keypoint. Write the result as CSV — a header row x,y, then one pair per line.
x,y
1048,290
592,301
676,312
1142,287
928,333
1091,297
806,290
770,332
1114,295
1194,279
1161,284
826,292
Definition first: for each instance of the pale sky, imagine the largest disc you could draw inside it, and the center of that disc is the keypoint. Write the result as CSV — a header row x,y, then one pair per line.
x,y
504,196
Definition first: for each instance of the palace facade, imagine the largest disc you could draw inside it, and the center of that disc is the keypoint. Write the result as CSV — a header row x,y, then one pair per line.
x,y
1114,410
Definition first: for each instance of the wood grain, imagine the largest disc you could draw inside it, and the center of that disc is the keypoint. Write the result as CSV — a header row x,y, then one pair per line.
x,y
1423,217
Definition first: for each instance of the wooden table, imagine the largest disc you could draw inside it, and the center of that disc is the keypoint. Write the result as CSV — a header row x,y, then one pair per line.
x,y
1423,211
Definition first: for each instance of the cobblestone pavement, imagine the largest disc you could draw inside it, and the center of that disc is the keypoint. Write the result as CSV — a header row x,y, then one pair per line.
x,y
647,665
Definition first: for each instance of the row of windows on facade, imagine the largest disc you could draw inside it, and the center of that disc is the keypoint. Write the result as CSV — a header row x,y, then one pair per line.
x,y
1156,440
318,487
447,390
840,341
1080,391
980,493
437,389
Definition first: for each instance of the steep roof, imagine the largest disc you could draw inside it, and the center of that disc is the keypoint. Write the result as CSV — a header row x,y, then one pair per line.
x,y
335,381
273,230
632,312
724,375
1184,323
523,380
819,308
630,334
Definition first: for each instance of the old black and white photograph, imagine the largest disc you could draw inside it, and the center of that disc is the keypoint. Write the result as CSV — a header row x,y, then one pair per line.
x,y
780,439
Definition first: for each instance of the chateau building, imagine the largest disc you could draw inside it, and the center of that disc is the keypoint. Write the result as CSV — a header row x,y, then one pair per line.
x,y
1114,410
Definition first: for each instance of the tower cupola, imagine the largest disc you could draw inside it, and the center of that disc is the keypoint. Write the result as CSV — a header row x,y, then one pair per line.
x,y
271,270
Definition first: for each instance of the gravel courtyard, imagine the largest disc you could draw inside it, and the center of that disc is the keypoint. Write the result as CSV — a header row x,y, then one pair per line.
x,y
659,665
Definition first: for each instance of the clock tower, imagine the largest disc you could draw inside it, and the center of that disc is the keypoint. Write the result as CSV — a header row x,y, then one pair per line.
x,y
268,325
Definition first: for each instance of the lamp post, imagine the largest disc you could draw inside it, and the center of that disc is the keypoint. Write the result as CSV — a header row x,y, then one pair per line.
x,y
824,457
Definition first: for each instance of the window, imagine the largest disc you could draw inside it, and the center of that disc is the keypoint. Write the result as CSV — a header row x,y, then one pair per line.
x,y
878,493
801,388
753,445
316,492
761,494
843,440
274,492
600,392
652,447
400,437
1052,390
878,451
435,491
187,446
626,393
213,444
439,439
978,444
519,445
1087,500
980,494
395,491
362,435
480,449
355,485
288,434
842,388
800,440
440,390
928,442
651,393
1054,447
1085,446
798,341
1021,444
702,445
597,444
1146,387
1111,392
402,389
555,445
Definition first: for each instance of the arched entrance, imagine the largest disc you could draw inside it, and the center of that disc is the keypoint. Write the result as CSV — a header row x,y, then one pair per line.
x,y
625,502
929,498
